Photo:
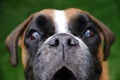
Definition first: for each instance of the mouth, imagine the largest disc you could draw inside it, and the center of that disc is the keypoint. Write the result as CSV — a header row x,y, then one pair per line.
x,y
63,74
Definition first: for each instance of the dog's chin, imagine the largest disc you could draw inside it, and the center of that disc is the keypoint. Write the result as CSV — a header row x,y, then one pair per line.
x,y
64,74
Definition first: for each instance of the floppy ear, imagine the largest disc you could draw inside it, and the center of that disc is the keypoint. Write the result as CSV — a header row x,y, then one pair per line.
x,y
107,34
12,40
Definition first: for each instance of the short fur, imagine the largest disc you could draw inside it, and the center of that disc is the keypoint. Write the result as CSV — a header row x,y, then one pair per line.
x,y
65,50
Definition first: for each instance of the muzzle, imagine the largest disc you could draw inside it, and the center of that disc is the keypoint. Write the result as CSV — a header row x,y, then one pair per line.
x,y
64,57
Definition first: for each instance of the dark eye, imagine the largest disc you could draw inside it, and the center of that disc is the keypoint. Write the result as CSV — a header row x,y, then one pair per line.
x,y
89,33
35,36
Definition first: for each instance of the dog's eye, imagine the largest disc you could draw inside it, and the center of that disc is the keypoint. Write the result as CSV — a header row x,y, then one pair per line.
x,y
89,33
35,36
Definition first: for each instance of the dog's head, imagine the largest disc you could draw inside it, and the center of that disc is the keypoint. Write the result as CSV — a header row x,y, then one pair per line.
x,y
61,45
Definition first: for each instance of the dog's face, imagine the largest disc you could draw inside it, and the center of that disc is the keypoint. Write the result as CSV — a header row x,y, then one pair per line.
x,y
61,45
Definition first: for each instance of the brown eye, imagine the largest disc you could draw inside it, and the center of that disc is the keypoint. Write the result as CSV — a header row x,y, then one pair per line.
x,y
35,36
89,33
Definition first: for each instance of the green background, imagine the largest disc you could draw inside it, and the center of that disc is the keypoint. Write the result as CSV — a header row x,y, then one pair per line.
x,y
13,12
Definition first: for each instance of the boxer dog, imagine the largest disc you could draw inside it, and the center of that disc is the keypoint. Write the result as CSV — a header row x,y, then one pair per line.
x,y
66,44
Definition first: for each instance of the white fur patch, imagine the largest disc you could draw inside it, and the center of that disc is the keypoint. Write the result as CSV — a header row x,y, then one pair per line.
x,y
61,24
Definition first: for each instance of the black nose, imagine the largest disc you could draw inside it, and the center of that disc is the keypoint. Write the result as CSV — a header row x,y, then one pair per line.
x,y
63,39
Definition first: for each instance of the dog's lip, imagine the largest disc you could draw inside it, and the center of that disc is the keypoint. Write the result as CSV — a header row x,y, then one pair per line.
x,y
63,74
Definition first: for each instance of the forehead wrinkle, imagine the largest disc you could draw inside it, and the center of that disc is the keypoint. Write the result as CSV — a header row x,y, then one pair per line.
x,y
61,24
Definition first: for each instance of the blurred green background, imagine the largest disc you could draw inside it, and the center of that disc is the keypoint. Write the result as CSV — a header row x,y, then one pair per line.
x,y
13,12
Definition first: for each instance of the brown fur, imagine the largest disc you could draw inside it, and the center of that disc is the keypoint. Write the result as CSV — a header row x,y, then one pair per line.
x,y
105,71
25,55
106,37
104,64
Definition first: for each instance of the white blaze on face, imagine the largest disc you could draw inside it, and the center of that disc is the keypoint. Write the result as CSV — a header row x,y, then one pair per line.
x,y
61,24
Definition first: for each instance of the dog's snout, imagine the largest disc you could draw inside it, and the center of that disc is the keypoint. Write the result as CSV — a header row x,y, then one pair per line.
x,y
63,39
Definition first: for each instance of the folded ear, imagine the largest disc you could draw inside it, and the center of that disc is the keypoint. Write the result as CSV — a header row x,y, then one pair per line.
x,y
107,35
12,40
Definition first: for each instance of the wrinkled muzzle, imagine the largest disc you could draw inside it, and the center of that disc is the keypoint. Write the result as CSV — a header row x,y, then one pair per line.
x,y
64,57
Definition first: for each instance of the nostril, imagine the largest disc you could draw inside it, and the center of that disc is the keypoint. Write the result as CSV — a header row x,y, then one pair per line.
x,y
54,42
72,42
